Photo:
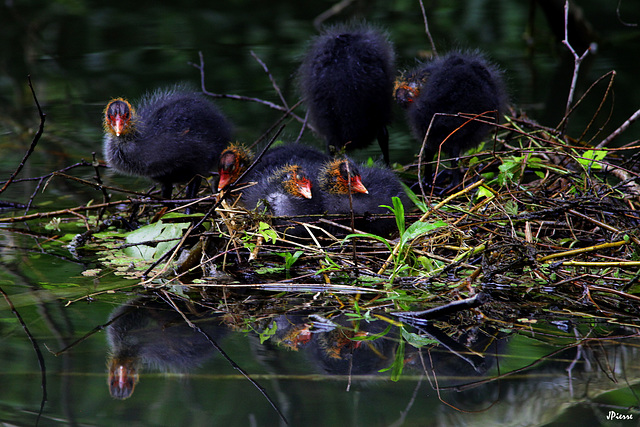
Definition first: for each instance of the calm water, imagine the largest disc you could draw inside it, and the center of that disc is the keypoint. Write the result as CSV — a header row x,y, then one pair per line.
x,y
82,54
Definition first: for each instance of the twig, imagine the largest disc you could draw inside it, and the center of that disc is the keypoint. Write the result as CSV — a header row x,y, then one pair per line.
x,y
34,142
426,29
277,123
70,211
621,129
239,97
577,60
611,73
271,79
333,10
584,250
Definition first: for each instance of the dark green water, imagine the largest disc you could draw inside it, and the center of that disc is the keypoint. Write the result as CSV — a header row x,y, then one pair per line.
x,y
81,54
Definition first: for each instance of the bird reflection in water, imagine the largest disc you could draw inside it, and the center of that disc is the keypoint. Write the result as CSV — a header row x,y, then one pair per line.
x,y
149,333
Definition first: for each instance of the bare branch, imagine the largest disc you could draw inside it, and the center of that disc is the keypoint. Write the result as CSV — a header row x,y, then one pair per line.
x,y
635,116
34,142
426,29
577,60
240,97
273,81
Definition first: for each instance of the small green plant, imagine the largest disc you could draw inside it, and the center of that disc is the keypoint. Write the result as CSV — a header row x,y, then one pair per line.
x,y
402,251
264,230
289,260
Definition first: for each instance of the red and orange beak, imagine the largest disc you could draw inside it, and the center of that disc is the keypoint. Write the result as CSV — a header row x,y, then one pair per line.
x,y
304,187
118,123
225,179
118,116
358,186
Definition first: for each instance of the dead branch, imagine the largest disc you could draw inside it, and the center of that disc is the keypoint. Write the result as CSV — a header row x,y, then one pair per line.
x,y
34,142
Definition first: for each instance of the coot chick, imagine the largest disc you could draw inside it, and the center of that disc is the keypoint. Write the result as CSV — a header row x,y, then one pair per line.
x,y
346,78
381,184
284,190
459,82
174,136
234,160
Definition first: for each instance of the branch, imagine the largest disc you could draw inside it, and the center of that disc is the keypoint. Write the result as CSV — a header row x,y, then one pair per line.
x,y
577,60
426,29
271,79
635,116
34,142
240,97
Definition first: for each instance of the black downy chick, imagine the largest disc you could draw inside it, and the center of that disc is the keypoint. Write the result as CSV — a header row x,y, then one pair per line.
x,y
459,82
173,136
346,78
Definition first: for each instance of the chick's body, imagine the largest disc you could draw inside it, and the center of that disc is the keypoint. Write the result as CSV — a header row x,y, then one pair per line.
x,y
346,79
173,136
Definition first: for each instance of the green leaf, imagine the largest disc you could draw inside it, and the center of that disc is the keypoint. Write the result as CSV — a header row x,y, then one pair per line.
x,y
418,229
368,235
590,158
267,232
399,213
483,192
151,233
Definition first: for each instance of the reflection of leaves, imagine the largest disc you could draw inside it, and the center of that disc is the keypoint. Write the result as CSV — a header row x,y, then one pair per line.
x,y
268,333
150,233
416,340
398,363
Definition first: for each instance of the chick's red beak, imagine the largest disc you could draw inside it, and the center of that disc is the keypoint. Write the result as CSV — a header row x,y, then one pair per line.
x,y
225,179
117,124
304,187
358,186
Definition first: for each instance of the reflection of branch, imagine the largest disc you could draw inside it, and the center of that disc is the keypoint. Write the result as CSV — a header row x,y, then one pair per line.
x,y
34,142
214,344
34,342
628,24
445,310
